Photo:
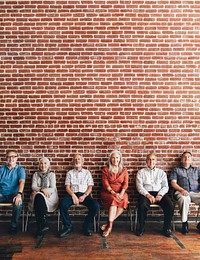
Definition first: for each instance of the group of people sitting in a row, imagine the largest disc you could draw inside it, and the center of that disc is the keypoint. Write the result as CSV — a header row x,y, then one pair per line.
x,y
151,183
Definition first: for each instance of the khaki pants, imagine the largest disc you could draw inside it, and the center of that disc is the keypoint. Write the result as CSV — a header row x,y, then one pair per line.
x,y
184,202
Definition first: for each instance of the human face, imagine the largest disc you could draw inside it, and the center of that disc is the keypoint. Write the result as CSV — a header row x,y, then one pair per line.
x,y
78,161
12,159
115,159
151,161
43,165
186,160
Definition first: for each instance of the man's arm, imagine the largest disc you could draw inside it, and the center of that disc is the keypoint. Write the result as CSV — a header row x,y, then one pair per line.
x,y
72,194
87,192
179,188
18,198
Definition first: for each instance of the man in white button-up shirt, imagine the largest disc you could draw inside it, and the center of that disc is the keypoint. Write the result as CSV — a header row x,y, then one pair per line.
x,y
152,185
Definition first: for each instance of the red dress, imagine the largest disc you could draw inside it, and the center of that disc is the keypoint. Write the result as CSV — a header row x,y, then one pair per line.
x,y
117,183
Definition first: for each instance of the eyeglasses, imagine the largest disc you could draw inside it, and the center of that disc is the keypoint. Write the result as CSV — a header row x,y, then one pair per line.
x,y
11,157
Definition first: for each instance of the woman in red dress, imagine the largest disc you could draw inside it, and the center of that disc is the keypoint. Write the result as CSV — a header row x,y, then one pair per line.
x,y
113,195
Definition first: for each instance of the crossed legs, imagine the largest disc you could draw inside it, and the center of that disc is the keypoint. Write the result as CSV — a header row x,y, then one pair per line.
x,y
113,213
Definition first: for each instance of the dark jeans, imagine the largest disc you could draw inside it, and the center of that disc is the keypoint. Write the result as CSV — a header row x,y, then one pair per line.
x,y
165,203
89,202
40,208
16,212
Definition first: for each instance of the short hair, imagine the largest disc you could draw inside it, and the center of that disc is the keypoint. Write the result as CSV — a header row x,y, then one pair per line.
x,y
11,151
149,154
185,153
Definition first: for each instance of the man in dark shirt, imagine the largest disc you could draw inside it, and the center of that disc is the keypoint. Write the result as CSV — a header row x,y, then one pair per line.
x,y
185,180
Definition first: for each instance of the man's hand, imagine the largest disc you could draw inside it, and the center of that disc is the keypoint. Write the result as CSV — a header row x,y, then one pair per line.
x,y
158,198
82,198
75,199
17,199
184,193
151,198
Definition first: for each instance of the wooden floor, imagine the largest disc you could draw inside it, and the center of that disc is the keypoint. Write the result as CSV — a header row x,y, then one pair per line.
x,y
121,244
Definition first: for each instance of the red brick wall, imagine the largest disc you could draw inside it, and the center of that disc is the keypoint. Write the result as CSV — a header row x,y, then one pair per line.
x,y
91,76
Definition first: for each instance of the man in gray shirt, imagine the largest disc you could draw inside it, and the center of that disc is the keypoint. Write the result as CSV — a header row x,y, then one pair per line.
x,y
185,180
152,185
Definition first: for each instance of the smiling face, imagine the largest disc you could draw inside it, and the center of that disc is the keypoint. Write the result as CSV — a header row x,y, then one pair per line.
x,y
115,159
43,165
151,160
12,159
78,161
186,160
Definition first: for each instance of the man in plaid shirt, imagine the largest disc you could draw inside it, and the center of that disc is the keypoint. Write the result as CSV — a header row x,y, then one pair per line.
x,y
185,180
78,184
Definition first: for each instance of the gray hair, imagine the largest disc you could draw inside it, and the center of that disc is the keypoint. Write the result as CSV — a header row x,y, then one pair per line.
x,y
46,160
120,162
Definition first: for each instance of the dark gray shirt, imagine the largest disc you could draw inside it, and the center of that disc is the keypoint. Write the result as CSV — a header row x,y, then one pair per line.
x,y
188,179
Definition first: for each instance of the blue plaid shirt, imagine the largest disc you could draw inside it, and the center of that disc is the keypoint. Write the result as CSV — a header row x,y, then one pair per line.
x,y
188,179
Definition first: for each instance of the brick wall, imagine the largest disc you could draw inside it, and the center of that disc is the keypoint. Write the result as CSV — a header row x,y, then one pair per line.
x,y
91,76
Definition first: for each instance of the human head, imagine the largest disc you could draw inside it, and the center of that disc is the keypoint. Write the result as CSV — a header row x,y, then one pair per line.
x,y
44,164
78,161
115,159
12,156
151,160
186,159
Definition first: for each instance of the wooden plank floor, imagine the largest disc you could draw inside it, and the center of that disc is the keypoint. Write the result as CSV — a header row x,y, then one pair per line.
x,y
121,244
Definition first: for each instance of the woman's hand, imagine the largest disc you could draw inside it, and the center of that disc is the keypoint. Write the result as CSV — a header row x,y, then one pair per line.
x,y
46,193
119,197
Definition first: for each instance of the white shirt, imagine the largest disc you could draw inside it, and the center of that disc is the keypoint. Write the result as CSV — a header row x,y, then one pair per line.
x,y
79,181
152,180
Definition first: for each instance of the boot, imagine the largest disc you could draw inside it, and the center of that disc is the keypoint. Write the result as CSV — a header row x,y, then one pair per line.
x,y
44,225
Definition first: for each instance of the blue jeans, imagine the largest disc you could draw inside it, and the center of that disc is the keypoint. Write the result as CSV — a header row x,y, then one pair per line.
x,y
89,202
16,212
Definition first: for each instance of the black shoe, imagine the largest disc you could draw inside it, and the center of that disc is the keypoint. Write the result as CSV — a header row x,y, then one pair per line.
x,y
66,231
13,231
185,228
88,232
167,232
39,234
139,232
198,226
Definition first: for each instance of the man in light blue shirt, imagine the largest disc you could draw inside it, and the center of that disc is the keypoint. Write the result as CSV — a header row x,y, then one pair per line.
x,y
12,180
